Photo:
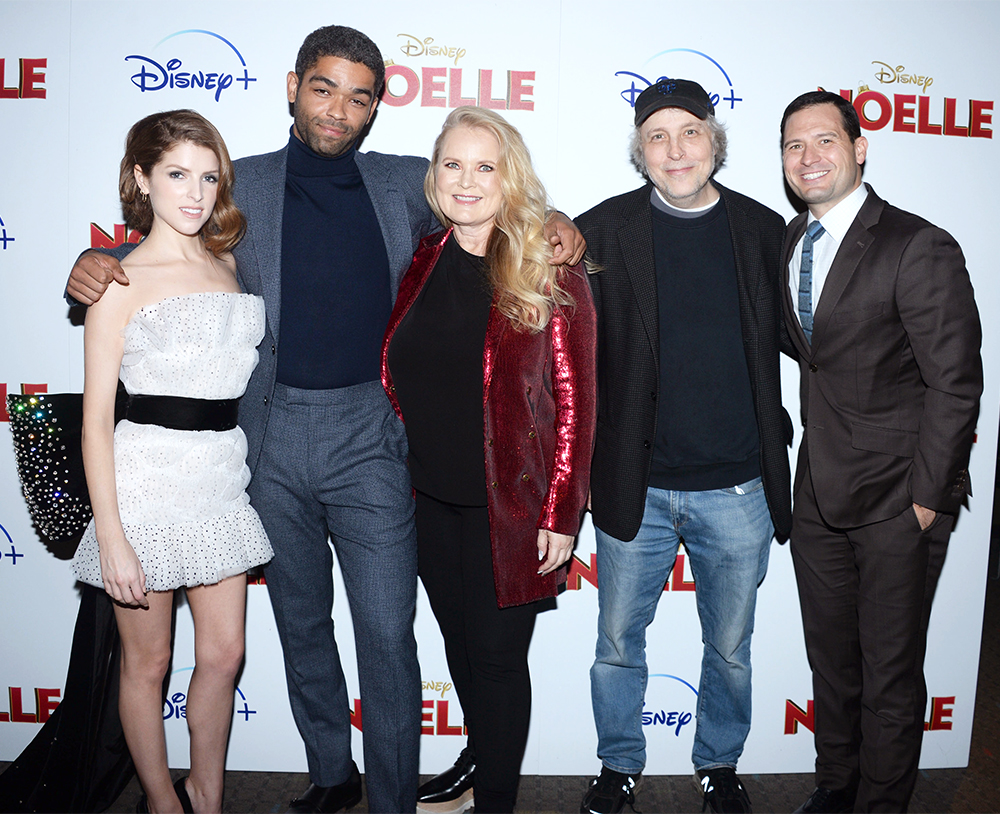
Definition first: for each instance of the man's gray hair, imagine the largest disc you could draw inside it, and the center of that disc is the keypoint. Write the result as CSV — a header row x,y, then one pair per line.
x,y
720,143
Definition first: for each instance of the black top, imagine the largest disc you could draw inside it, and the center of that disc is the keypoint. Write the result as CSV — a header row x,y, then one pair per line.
x,y
436,360
335,289
706,430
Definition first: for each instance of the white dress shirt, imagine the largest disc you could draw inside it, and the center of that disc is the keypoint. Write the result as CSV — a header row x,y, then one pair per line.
x,y
836,222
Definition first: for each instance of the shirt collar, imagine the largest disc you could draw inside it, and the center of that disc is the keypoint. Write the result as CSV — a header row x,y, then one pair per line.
x,y
839,219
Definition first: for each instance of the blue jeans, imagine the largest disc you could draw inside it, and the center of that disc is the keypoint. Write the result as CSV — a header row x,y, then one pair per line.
x,y
727,534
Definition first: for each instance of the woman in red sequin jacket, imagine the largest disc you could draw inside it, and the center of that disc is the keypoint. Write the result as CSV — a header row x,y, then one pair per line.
x,y
489,358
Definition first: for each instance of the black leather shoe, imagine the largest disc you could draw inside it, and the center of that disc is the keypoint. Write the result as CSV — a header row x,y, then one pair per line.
x,y
329,799
832,801
450,784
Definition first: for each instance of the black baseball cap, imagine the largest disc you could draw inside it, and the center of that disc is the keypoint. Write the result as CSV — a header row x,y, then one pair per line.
x,y
673,93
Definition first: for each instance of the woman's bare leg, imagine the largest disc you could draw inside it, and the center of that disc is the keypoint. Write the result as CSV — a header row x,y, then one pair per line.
x,y
145,637
219,616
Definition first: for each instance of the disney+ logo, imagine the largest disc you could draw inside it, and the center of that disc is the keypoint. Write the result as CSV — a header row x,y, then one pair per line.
x,y
4,237
633,90
153,76
12,554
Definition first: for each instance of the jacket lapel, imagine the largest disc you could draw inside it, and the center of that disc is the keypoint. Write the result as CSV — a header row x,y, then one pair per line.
x,y
796,229
635,239
852,250
263,203
390,211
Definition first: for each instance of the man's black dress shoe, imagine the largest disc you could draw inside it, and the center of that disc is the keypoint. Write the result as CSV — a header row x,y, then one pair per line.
x,y
828,801
450,784
329,799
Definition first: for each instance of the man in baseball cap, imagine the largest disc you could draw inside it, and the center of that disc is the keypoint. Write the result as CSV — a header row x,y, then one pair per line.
x,y
691,436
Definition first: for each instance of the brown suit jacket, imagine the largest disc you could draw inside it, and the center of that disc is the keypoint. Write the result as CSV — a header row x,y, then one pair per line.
x,y
891,382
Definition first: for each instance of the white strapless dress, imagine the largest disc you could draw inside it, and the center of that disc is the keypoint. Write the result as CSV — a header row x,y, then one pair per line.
x,y
182,494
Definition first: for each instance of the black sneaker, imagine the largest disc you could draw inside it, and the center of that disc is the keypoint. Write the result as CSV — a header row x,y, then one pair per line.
x,y
610,793
723,791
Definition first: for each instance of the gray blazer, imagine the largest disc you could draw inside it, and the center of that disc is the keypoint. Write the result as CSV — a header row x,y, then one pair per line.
x,y
395,186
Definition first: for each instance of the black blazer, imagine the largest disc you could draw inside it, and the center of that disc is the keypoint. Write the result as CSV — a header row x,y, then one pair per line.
x,y
619,235
891,382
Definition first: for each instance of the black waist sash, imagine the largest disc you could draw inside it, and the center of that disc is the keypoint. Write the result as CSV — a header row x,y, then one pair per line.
x,y
180,413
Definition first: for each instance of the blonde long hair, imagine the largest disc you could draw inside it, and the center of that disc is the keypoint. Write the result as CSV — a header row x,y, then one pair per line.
x,y
517,254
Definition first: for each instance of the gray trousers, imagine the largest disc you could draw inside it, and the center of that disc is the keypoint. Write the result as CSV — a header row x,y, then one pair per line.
x,y
333,467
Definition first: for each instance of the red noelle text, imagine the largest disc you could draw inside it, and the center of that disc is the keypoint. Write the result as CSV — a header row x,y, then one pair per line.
x,y
941,711
30,80
46,700
443,87
910,113
579,572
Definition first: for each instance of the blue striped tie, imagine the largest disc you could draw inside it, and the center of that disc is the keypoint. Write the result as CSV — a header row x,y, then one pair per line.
x,y
813,233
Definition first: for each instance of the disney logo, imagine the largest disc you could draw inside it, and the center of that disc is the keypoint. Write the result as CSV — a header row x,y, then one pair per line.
x,y
886,74
436,686
664,718
174,706
152,76
632,91
416,47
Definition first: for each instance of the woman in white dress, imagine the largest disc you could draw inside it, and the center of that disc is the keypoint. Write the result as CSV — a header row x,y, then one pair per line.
x,y
167,486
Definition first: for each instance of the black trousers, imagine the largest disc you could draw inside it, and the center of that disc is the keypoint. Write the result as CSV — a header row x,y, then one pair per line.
x,y
486,647
866,597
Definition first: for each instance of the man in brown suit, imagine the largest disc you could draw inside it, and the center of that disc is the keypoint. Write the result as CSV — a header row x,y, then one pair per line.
x,y
880,310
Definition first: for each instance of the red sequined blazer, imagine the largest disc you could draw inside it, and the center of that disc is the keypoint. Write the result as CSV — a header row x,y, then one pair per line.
x,y
540,407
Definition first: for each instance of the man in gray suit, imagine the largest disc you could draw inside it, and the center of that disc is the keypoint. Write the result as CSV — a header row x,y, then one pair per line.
x,y
881,313
330,233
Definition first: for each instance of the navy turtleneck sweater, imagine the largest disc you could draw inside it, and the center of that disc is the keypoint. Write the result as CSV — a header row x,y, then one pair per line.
x,y
336,296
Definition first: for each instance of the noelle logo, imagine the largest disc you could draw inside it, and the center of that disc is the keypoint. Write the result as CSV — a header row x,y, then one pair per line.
x,y
447,86
46,700
205,65
916,111
100,238
435,718
30,79
689,64
175,704
580,572
4,237
940,711
669,705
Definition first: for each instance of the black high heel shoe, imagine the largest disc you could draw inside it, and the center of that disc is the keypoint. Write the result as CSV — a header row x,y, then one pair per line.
x,y
142,807
181,790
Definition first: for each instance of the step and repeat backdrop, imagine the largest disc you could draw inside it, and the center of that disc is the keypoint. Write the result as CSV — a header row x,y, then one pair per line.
x,y
75,75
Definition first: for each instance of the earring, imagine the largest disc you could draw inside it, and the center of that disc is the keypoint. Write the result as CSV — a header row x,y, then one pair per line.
x,y
143,196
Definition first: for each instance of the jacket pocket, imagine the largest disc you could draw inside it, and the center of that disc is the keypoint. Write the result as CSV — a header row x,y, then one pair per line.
x,y
858,314
901,443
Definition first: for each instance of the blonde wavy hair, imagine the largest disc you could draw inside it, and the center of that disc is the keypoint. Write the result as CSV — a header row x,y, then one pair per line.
x,y
526,286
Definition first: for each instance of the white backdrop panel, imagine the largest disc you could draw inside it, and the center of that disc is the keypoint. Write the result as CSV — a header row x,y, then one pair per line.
x,y
564,73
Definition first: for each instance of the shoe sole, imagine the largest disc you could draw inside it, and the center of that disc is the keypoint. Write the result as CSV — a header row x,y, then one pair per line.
x,y
461,803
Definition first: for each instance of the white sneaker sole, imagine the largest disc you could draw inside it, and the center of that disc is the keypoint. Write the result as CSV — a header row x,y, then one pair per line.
x,y
456,806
